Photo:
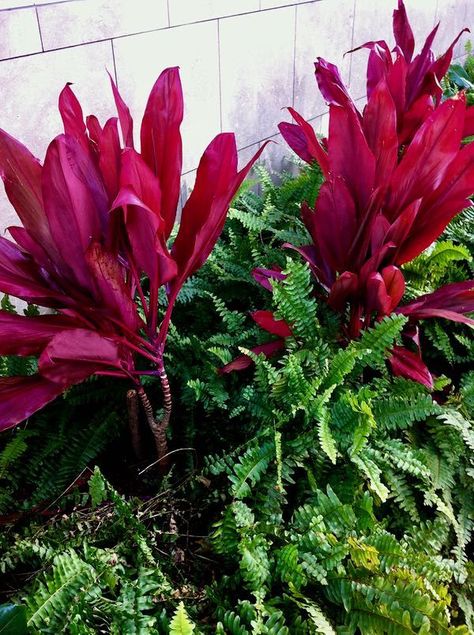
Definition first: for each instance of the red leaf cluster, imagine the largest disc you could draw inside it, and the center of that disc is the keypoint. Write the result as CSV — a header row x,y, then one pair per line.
x,y
395,175
96,218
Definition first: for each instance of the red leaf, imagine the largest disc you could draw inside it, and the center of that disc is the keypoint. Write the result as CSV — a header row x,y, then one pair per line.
x,y
309,138
140,197
452,302
296,139
21,277
73,119
203,217
267,321
70,357
264,276
331,84
333,224
395,285
380,128
244,361
343,290
21,335
20,397
76,204
403,32
109,157
434,146
350,156
126,121
406,364
161,140
110,289
21,174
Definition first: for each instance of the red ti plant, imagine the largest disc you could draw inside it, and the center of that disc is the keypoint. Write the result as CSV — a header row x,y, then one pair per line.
x,y
96,218
384,200
412,81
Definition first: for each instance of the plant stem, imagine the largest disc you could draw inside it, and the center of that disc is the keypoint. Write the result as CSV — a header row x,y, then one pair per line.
x,y
134,422
158,428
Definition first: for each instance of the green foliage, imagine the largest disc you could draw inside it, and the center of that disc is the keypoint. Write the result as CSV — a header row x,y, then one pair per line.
x,y
338,499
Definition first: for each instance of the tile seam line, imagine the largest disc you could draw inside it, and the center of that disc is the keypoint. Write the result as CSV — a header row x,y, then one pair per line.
x,y
137,33
35,6
219,72
39,29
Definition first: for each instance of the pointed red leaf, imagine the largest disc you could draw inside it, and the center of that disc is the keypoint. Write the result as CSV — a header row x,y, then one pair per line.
x,y
73,119
70,357
343,290
161,140
244,361
125,118
110,289
204,214
452,302
265,276
21,174
403,32
296,139
21,335
266,320
380,128
406,364
395,285
20,397
350,156
331,84
76,203
312,145
434,146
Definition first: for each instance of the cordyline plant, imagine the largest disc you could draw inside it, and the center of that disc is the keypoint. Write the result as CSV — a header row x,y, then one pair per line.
x,y
393,183
96,218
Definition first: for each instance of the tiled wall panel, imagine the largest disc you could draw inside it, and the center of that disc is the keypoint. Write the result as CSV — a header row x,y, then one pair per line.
x,y
256,61
83,21
194,48
241,61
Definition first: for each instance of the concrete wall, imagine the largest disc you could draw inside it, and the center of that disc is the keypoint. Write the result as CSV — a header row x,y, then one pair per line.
x,y
241,60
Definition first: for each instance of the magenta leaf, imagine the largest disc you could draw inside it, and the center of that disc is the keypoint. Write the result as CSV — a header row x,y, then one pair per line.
x,y
23,396
244,361
405,363
161,140
266,320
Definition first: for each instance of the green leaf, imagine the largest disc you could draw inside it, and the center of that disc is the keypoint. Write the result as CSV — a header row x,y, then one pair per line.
x,y
13,619
181,624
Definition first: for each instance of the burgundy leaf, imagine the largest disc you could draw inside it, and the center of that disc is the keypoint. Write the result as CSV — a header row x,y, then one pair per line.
x,y
343,290
20,397
161,140
73,119
434,146
21,174
265,276
451,302
110,289
380,129
126,121
349,154
331,84
296,139
406,364
244,361
21,335
312,145
266,320
203,217
70,357
403,32
76,203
